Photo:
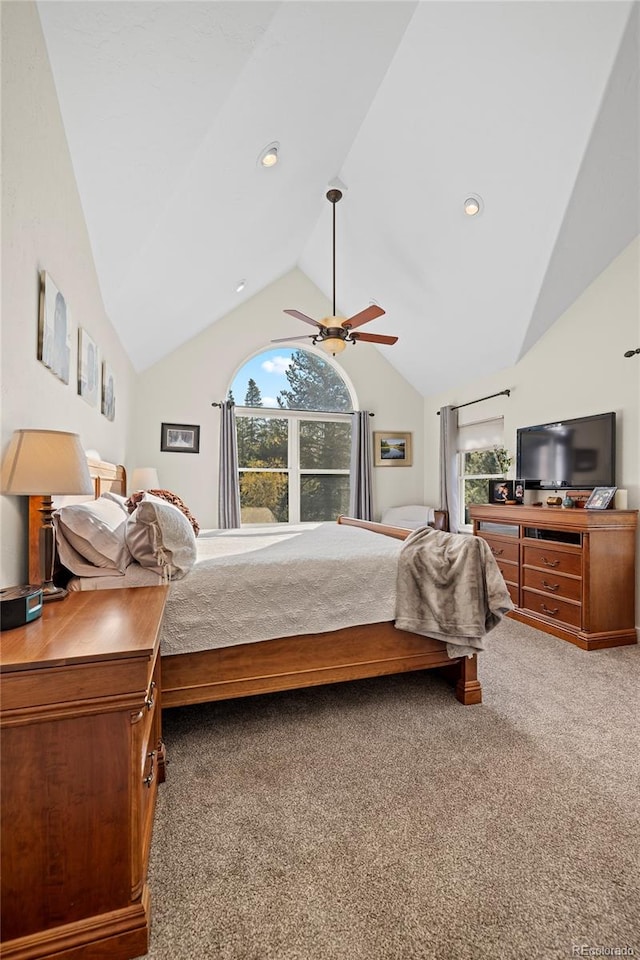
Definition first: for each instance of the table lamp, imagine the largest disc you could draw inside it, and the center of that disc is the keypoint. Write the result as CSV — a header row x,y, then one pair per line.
x,y
145,478
41,463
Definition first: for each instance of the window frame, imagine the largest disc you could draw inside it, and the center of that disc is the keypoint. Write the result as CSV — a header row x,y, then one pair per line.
x,y
294,472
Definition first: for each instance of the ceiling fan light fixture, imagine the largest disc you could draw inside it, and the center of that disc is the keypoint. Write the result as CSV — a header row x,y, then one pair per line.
x,y
333,345
472,205
269,156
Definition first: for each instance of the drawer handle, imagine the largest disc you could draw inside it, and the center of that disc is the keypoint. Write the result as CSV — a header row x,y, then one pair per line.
x,y
551,586
550,563
151,698
548,610
496,553
148,780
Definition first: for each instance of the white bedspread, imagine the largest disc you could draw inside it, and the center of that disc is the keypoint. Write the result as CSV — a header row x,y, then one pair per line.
x,y
258,583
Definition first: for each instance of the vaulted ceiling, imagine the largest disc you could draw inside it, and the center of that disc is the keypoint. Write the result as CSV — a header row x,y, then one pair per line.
x,y
532,106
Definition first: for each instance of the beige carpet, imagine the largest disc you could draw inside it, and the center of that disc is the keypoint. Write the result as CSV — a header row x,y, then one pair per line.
x,y
382,820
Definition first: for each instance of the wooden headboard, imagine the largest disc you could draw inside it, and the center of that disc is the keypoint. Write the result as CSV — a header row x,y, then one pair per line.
x,y
107,477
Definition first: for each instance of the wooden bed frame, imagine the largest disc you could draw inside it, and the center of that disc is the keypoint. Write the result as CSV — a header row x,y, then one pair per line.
x,y
288,663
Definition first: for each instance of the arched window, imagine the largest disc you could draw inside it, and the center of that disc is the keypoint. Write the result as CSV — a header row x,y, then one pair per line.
x,y
293,414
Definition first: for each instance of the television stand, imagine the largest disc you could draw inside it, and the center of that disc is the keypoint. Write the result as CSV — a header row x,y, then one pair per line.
x,y
569,572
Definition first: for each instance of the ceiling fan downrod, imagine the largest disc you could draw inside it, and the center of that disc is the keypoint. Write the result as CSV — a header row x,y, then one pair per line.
x,y
333,196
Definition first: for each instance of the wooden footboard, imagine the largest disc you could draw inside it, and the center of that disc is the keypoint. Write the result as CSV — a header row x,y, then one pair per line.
x,y
288,663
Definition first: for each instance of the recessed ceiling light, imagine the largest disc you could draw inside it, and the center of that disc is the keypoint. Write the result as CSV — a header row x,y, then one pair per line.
x,y
472,205
241,284
269,156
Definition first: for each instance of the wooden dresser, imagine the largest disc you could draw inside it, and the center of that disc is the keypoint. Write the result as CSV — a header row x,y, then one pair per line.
x,y
81,759
570,572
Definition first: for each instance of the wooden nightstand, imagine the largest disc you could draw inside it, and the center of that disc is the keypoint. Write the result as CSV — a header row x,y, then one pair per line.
x,y
81,759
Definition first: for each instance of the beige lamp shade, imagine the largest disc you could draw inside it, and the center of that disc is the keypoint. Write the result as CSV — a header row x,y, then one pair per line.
x,y
145,478
44,463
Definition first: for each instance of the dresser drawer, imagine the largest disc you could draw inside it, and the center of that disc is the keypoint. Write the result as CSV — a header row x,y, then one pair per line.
x,y
502,549
549,559
510,571
555,584
553,608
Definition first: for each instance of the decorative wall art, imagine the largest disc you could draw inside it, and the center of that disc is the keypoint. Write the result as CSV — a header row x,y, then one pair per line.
x,y
108,392
88,369
180,438
392,449
54,329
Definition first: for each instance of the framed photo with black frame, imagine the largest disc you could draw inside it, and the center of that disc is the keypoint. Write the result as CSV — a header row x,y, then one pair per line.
x,y
500,491
600,498
180,438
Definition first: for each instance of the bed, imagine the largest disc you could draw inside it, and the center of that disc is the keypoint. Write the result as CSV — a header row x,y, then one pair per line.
x,y
323,656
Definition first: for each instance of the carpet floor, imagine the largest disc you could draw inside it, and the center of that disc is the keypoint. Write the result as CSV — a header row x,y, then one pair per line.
x,y
382,820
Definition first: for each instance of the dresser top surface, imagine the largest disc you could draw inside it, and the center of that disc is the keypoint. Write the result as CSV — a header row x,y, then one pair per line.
x,y
85,627
554,516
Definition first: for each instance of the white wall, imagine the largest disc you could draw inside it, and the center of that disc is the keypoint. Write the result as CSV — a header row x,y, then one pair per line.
x,y
577,368
181,388
43,228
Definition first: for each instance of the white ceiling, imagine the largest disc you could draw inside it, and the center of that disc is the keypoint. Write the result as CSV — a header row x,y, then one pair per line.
x,y
531,105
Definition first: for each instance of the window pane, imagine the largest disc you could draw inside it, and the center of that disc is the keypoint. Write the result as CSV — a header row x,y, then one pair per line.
x,y
475,491
483,462
323,497
262,442
324,446
264,497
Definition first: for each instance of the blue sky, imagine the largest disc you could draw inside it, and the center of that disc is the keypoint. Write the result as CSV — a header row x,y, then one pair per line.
x,y
268,371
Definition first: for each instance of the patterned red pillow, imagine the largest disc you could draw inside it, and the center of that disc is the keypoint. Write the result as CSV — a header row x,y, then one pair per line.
x,y
170,497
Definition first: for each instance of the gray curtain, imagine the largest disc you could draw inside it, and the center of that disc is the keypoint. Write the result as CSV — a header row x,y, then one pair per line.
x,y
361,499
449,466
228,484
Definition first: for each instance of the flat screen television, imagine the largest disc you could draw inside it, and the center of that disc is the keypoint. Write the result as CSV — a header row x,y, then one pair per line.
x,y
578,453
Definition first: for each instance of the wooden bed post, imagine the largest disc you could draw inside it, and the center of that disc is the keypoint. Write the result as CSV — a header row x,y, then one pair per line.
x,y
468,688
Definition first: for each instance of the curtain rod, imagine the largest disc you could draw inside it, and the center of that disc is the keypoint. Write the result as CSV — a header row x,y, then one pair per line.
x,y
295,409
480,399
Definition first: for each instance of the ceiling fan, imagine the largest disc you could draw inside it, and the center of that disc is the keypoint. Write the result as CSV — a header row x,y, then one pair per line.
x,y
334,333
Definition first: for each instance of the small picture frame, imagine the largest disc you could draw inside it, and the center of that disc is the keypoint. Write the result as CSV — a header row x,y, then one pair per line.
x,y
54,329
88,368
501,491
600,498
108,396
180,438
518,491
392,448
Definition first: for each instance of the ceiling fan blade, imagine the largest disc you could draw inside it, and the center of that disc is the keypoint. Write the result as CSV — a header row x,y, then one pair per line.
x,y
374,338
301,336
302,316
364,316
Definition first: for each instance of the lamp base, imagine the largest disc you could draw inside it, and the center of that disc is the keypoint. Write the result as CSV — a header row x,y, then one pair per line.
x,y
51,592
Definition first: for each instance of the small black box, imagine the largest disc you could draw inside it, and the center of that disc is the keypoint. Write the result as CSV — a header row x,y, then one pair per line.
x,y
19,605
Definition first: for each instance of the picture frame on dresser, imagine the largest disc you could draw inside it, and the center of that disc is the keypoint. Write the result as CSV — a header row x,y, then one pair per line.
x,y
600,498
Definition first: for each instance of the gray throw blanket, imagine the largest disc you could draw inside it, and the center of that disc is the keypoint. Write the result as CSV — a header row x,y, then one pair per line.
x,y
449,587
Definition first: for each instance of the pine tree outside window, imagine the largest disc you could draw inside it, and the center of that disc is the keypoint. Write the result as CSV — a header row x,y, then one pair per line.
x,y
294,456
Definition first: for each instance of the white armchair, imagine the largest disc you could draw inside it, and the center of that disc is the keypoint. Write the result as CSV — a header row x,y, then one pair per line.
x,y
415,515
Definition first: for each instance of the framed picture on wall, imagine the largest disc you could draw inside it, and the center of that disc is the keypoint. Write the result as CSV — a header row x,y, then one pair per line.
x,y
88,369
54,329
392,449
180,438
108,392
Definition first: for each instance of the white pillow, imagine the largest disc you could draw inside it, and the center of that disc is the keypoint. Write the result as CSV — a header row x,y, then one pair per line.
x,y
77,564
160,537
116,498
96,530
